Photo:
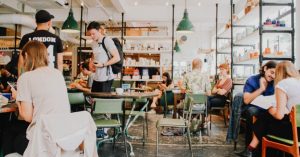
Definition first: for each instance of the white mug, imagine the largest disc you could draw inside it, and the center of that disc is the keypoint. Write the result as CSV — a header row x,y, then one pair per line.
x,y
119,91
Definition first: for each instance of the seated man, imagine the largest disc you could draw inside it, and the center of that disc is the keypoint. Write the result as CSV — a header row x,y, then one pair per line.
x,y
256,85
197,82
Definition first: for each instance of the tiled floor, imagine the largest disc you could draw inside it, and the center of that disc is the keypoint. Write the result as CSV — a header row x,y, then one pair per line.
x,y
175,146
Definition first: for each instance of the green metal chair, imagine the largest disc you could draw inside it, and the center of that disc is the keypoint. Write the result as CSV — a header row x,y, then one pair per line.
x,y
199,107
109,106
285,145
167,101
77,101
141,112
183,123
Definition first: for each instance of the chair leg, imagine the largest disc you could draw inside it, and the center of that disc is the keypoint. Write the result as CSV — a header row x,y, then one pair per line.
x,y
157,142
263,148
210,121
224,116
144,132
189,139
147,128
114,138
124,136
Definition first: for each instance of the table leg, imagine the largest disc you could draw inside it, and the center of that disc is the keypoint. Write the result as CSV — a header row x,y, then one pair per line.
x,y
175,106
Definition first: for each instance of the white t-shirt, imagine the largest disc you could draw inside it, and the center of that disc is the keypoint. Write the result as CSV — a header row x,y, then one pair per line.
x,y
291,88
46,89
101,57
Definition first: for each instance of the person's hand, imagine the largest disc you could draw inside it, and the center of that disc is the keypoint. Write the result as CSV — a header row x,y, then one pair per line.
x,y
263,83
13,93
98,65
78,86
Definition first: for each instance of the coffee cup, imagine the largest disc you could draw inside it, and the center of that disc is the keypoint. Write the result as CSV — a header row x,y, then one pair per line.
x,y
119,91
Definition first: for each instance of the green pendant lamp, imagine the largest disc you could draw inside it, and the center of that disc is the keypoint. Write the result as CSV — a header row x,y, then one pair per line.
x,y
176,47
185,25
70,25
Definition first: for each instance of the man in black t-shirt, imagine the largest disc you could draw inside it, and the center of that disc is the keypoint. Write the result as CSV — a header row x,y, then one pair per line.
x,y
51,41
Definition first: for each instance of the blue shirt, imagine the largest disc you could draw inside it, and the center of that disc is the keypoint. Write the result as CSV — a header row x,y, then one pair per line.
x,y
253,83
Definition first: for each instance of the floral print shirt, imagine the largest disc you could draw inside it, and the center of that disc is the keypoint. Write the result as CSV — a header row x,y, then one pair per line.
x,y
196,82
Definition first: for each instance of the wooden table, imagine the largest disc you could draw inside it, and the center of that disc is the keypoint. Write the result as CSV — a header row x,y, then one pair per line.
x,y
131,95
8,108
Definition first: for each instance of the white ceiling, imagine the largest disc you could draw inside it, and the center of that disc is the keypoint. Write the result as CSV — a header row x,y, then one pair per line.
x,y
138,12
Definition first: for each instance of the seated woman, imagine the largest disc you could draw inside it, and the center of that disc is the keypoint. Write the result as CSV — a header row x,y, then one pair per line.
x,y
221,89
41,89
276,120
166,84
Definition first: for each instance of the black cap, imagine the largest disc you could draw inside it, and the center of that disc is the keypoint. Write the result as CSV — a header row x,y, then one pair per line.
x,y
43,16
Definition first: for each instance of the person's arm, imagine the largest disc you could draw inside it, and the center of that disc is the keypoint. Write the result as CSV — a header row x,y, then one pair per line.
x,y
249,97
25,108
78,86
281,101
59,54
226,87
60,62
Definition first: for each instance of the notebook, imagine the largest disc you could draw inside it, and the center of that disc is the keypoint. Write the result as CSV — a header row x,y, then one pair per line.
x,y
264,102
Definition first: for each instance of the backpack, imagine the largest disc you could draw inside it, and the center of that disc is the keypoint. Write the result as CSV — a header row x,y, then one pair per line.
x,y
117,67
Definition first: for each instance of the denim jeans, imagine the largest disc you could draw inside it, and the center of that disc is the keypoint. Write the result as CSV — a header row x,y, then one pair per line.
x,y
235,115
248,112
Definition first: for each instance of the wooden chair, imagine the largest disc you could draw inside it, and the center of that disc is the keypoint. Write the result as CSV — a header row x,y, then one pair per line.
x,y
226,105
285,145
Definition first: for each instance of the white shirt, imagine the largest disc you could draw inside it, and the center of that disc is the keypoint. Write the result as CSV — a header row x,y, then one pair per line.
x,y
290,86
101,57
46,89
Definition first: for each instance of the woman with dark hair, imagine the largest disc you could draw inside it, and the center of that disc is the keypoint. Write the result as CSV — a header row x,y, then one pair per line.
x,y
166,84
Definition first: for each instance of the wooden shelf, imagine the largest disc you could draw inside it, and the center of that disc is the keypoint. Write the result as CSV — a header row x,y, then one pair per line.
x,y
149,52
142,80
146,66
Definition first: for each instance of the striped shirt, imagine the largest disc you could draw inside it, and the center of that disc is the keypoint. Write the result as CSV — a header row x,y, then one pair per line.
x,y
227,85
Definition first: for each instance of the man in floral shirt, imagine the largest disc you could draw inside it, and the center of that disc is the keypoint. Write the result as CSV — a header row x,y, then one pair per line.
x,y
196,81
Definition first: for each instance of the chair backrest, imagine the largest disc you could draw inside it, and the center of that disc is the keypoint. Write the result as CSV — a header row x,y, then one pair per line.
x,y
76,98
167,98
295,120
111,106
198,98
188,105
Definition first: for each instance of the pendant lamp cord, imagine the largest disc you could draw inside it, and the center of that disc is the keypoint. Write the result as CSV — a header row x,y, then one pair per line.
x,y
185,4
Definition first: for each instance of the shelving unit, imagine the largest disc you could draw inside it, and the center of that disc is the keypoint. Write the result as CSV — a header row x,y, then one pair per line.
x,y
248,31
289,30
144,52
224,51
9,46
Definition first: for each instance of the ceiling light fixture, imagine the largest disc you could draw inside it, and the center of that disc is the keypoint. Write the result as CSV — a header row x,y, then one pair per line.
x,y
185,25
136,3
176,47
70,25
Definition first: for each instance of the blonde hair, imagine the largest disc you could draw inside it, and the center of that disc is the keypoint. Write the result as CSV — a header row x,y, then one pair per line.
x,y
285,69
35,55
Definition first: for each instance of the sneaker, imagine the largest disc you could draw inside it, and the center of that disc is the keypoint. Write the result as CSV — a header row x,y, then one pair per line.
x,y
152,111
167,133
245,153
